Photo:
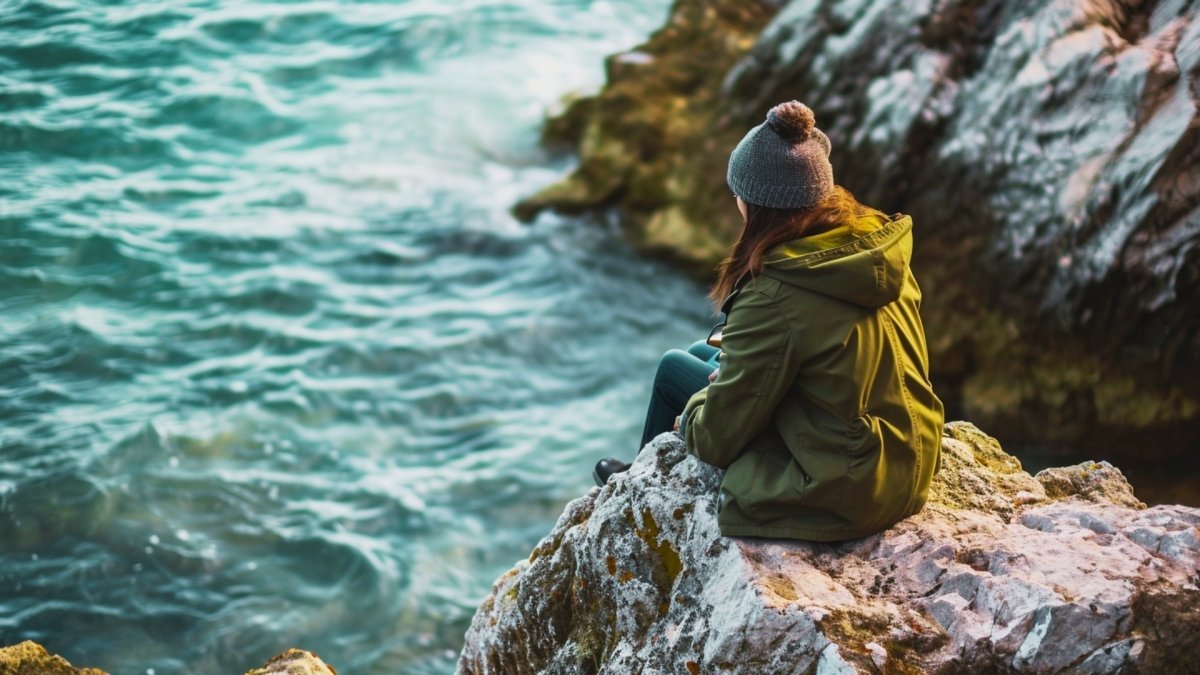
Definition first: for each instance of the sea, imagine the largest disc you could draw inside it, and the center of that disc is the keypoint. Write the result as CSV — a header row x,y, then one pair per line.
x,y
278,367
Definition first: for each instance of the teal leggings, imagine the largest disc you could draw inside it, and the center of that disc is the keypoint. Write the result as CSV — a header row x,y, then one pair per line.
x,y
680,374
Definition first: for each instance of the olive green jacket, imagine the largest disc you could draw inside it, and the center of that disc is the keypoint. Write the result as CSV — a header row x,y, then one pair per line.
x,y
822,414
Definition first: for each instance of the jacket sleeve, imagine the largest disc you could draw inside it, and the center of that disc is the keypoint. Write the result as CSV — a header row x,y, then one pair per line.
x,y
759,363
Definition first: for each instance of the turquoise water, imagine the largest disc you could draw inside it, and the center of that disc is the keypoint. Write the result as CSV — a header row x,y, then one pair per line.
x,y
277,367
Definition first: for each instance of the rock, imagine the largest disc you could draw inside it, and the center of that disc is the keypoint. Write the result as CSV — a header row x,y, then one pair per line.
x,y
1094,481
30,658
660,108
1000,572
294,662
1048,150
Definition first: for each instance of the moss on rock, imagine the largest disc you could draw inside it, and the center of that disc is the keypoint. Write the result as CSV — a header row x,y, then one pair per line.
x,y
646,142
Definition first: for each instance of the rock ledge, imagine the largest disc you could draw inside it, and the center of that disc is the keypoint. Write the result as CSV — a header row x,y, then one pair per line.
x,y
1001,572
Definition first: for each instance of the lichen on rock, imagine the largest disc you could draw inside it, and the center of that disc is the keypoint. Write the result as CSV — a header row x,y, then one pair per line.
x,y
1001,571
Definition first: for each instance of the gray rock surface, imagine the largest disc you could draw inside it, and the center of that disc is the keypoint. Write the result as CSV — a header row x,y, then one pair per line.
x,y
1001,572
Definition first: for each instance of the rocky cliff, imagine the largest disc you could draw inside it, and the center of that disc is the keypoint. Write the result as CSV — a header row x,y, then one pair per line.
x,y
1049,152
1001,572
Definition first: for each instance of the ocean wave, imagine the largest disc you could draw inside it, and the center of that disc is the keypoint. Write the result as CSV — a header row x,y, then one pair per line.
x,y
275,358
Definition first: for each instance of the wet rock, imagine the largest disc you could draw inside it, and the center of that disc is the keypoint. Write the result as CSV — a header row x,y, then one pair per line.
x,y
624,64
998,573
1049,152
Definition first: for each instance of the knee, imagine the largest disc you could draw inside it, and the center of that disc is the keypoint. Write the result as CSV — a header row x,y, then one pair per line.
x,y
670,363
700,349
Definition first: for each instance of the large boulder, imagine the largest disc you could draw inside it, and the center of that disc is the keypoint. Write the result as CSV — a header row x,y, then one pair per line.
x,y
1048,150
1000,572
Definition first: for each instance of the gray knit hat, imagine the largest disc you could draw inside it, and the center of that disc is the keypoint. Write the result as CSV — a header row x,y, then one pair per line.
x,y
782,163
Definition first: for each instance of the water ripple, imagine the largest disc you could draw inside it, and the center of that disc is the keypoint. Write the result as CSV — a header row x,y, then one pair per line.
x,y
278,367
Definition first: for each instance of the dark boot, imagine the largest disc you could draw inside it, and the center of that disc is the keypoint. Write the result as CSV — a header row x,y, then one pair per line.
x,y
607,467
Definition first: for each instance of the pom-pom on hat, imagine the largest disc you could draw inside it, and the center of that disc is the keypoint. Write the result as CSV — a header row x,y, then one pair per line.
x,y
782,163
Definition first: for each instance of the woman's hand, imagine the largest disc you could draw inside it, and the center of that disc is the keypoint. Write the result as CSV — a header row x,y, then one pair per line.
x,y
713,375
677,423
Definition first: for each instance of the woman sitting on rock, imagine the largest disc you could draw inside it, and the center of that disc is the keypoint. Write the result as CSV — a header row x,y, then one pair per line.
x,y
821,412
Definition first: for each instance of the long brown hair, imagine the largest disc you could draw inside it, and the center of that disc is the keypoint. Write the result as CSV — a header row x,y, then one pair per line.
x,y
766,227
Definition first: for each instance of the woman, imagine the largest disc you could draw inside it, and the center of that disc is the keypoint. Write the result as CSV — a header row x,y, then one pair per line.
x,y
821,413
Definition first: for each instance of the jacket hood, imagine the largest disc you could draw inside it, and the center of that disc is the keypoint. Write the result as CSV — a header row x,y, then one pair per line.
x,y
863,262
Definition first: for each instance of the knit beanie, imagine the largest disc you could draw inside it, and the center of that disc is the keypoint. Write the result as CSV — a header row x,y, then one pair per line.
x,y
782,163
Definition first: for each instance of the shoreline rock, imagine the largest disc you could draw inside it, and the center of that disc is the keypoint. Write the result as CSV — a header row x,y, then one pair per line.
x,y
1049,153
1000,572
638,140
30,658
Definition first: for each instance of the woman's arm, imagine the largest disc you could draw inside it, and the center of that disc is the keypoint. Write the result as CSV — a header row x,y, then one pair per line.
x,y
759,364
